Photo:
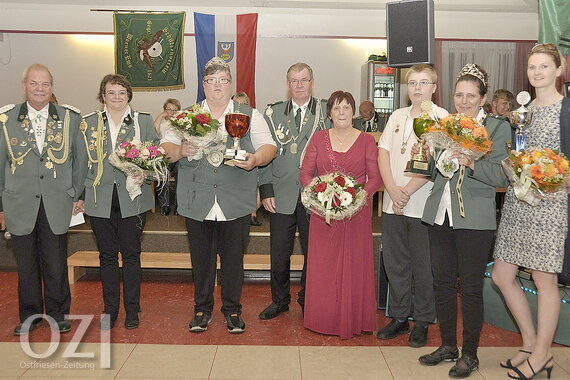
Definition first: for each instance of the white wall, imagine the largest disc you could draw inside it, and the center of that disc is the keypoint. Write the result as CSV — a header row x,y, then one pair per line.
x,y
285,36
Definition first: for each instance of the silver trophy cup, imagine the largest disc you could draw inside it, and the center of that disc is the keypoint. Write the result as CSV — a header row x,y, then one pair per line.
x,y
521,118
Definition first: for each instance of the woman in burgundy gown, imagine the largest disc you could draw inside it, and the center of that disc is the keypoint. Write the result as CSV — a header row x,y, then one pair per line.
x,y
340,290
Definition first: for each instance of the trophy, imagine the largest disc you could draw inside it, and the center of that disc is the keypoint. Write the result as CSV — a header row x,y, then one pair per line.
x,y
521,117
419,163
237,125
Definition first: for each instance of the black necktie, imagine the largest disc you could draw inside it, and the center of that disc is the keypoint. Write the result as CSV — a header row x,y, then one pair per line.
x,y
298,119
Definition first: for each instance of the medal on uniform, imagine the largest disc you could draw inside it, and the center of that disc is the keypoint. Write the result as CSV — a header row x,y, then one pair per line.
x,y
293,148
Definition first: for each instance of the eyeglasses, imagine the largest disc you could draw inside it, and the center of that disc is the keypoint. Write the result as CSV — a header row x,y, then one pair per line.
x,y
217,80
116,93
170,110
295,82
422,83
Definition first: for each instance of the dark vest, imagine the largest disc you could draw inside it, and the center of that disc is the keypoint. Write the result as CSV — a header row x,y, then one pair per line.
x,y
199,183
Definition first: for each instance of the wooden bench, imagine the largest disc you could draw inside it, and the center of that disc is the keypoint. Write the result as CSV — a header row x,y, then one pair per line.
x,y
80,260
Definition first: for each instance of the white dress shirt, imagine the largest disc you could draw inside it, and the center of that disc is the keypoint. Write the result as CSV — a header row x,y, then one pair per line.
x,y
392,141
39,122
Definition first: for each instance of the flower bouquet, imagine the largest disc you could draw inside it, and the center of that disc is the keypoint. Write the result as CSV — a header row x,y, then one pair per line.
x,y
140,160
334,196
458,133
197,126
537,174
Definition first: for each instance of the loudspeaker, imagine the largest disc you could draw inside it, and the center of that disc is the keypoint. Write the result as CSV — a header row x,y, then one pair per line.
x,y
410,32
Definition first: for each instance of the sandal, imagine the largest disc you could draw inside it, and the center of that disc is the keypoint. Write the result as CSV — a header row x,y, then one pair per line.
x,y
522,376
509,364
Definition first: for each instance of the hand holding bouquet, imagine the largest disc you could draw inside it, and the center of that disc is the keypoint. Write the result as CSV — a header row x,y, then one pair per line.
x,y
334,196
537,174
197,126
140,160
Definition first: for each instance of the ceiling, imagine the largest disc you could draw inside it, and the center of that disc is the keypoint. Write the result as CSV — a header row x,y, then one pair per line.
x,y
508,6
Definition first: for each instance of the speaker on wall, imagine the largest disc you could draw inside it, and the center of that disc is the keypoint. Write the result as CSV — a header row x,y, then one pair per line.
x,y
410,32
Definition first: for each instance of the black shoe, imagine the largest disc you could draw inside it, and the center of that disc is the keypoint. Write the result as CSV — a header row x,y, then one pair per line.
x,y
393,329
273,310
64,326
254,221
21,330
200,321
132,323
509,364
464,367
165,210
442,354
418,337
236,325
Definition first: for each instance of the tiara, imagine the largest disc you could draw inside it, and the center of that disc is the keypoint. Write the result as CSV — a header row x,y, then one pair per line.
x,y
217,61
471,69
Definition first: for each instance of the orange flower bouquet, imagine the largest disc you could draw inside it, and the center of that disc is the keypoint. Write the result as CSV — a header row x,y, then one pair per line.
x,y
461,133
538,173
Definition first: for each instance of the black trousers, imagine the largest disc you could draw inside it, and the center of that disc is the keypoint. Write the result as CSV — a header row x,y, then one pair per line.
x,y
117,234
230,240
282,238
42,255
460,253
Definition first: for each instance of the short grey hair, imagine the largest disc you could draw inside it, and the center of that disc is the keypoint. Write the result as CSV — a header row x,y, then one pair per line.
x,y
214,65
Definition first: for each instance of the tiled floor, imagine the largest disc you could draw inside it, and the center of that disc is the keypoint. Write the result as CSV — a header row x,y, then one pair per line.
x,y
152,361
162,347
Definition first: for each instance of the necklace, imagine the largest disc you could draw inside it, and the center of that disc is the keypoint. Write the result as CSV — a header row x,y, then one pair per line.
x,y
338,138
405,140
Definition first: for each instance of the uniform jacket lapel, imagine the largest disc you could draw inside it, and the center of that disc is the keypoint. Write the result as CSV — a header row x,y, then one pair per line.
x,y
27,129
127,129
309,119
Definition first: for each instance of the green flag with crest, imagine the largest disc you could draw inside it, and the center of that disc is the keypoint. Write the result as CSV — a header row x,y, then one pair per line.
x,y
149,49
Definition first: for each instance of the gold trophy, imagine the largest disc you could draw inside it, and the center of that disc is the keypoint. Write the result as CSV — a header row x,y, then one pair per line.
x,y
237,125
419,163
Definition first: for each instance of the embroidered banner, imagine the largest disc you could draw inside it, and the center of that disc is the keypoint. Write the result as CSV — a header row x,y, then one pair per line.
x,y
149,49
234,38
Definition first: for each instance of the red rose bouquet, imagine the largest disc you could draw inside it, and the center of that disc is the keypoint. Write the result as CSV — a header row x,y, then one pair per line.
x,y
334,196
197,126
537,174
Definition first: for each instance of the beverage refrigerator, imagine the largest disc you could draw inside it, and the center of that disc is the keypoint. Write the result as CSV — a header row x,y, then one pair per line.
x,y
381,85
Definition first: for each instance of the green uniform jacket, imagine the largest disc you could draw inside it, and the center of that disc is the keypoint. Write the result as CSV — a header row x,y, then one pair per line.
x,y
40,176
280,178
479,187
199,184
103,192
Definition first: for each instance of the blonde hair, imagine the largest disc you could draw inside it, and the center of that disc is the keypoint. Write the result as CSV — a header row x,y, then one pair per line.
x,y
551,50
37,67
423,68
